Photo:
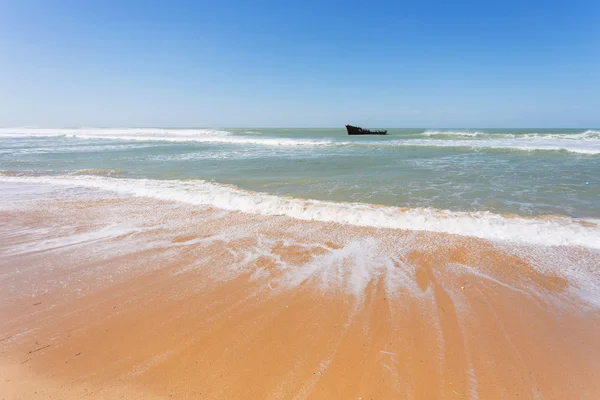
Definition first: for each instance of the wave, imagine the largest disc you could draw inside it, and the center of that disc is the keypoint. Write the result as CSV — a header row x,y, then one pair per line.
x,y
267,141
587,135
511,144
99,172
90,148
110,133
491,144
166,135
462,134
587,142
551,230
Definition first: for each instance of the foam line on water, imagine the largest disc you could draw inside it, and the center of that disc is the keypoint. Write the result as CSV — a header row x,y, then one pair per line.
x,y
586,135
518,144
587,142
102,133
551,230
461,133
164,135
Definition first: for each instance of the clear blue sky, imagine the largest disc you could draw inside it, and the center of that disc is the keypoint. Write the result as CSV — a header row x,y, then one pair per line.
x,y
300,63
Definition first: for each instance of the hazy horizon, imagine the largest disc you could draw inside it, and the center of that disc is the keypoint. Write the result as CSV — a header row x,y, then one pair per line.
x,y
342,126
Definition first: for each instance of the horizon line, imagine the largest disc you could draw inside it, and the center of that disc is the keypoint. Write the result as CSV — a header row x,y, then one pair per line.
x,y
288,127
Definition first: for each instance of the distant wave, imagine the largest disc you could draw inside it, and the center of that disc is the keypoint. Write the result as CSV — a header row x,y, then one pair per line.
x,y
479,144
166,135
511,144
86,172
266,141
112,133
89,148
551,230
462,134
587,135
587,142
98,172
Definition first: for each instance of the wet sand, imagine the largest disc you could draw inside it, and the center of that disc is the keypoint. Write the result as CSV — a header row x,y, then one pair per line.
x,y
108,297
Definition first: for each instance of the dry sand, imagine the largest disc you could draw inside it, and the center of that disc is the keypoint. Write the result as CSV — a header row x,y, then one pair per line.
x,y
138,299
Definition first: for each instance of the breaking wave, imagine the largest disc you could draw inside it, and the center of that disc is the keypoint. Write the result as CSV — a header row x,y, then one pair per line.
x,y
163,135
551,230
113,133
516,144
461,134
442,134
587,135
587,142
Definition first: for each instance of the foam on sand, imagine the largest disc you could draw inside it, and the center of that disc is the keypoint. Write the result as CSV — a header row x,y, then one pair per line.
x,y
551,230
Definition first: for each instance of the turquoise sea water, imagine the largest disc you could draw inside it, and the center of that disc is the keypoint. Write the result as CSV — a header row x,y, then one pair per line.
x,y
515,171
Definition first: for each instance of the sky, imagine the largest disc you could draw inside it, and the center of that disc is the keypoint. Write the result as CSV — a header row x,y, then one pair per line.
x,y
307,63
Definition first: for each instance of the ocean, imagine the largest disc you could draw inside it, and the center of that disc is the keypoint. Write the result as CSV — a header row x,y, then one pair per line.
x,y
532,185
300,263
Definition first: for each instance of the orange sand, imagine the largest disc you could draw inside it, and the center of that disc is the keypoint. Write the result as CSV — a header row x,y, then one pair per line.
x,y
199,303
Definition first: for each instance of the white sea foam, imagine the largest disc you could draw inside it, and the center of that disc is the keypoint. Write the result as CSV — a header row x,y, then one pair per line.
x,y
552,230
264,141
88,148
77,239
353,266
587,135
112,133
587,142
166,135
460,133
518,144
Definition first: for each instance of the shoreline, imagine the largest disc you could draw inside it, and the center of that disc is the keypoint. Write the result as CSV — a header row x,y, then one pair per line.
x,y
552,230
141,297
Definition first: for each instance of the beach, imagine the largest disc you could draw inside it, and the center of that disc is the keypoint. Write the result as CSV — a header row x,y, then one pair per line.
x,y
273,264
112,296
299,200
